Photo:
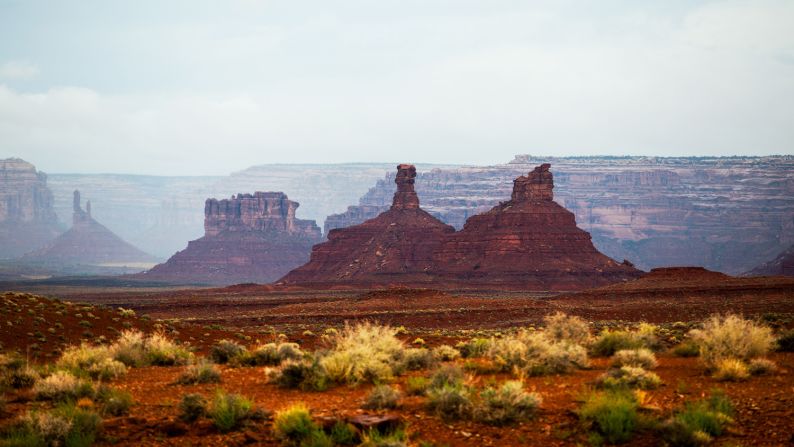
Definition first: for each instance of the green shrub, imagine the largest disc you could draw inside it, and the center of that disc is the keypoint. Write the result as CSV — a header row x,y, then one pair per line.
x,y
294,425
447,375
613,414
225,351
107,369
785,341
476,347
698,422
374,438
66,425
130,348
271,354
731,370
343,433
416,386
382,397
761,366
630,377
609,342
77,358
114,402
450,402
445,353
19,378
308,375
200,372
560,327
229,411
61,386
507,404
364,353
732,337
532,353
641,357
687,348
418,358
192,407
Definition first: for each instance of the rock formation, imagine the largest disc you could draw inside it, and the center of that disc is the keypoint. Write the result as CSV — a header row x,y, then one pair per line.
x,y
248,238
27,219
782,265
88,243
728,214
396,247
528,242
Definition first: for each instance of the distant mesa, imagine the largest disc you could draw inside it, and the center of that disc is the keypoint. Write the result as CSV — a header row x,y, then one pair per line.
x,y
248,238
27,218
782,265
89,243
527,242
395,247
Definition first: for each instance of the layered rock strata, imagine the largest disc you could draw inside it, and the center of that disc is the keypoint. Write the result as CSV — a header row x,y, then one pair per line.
x,y
528,242
248,238
395,247
27,218
782,265
89,243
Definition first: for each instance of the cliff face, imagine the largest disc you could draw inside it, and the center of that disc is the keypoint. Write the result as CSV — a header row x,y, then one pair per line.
x,y
88,243
248,238
27,218
529,241
782,265
395,247
725,214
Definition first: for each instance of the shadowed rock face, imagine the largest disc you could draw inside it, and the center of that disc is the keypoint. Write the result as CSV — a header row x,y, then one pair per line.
x,y
248,238
782,265
396,247
88,243
27,218
529,241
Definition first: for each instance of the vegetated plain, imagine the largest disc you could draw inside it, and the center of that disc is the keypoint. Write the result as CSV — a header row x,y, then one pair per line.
x,y
656,362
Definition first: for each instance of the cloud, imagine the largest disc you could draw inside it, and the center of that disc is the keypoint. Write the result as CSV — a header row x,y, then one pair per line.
x,y
18,70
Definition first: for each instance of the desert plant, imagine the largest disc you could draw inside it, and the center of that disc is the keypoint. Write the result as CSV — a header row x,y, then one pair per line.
x,y
294,425
641,357
507,404
687,348
730,369
785,341
612,414
560,327
382,397
160,350
192,407
364,353
60,386
447,375
229,411
761,366
343,433
375,438
129,348
698,422
445,353
476,347
79,358
308,375
114,402
107,369
418,358
450,402
66,425
731,337
18,378
416,386
611,341
226,350
629,377
200,372
532,353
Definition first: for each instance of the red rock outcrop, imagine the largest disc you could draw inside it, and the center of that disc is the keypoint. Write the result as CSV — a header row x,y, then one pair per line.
x,y
528,242
396,247
89,243
27,218
782,265
248,238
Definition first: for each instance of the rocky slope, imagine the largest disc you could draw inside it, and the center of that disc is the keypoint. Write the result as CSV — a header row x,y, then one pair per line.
x,y
726,214
395,247
782,265
248,238
528,242
89,243
27,218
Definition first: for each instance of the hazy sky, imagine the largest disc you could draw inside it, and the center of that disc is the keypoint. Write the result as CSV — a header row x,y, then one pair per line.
x,y
208,87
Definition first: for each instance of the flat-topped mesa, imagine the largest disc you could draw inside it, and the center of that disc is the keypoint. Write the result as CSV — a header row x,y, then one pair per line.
x,y
268,212
405,197
537,185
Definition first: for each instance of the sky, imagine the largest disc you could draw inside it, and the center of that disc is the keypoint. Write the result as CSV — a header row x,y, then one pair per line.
x,y
199,87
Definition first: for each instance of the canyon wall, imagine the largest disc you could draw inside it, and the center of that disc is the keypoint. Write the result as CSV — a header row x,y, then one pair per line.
x,y
27,217
728,214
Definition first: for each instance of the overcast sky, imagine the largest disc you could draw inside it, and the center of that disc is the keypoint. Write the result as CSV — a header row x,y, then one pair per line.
x,y
209,87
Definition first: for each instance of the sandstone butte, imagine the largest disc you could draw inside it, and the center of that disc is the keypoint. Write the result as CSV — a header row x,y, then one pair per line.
x,y
394,248
248,238
27,217
529,241
89,243
782,265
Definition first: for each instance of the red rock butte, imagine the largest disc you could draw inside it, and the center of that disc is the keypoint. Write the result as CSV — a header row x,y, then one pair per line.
x,y
89,242
396,247
248,238
529,242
